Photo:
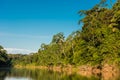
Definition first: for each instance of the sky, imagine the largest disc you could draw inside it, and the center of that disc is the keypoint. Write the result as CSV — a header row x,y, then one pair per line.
x,y
25,24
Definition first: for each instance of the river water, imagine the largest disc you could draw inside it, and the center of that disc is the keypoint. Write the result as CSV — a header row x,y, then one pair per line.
x,y
37,74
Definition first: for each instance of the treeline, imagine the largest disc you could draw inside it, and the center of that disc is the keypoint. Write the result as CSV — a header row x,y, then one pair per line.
x,y
97,43
5,61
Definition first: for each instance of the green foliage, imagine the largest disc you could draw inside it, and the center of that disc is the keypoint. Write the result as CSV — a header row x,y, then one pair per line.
x,y
4,59
97,43
58,38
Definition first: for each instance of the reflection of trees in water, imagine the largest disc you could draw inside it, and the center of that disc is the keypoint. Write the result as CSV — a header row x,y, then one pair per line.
x,y
37,74
3,73
78,77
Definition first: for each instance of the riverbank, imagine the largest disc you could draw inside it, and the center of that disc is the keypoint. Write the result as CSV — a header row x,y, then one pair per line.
x,y
80,69
107,72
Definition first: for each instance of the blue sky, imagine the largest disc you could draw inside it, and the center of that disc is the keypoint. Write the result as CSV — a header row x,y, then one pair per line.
x,y
25,24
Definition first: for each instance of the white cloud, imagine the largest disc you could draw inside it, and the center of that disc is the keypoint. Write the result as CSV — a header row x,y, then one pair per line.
x,y
16,51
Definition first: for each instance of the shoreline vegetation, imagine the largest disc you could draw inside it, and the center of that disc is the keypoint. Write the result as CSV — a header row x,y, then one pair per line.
x,y
107,72
76,69
94,50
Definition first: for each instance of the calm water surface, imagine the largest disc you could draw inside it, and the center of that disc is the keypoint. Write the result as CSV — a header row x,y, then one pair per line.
x,y
37,74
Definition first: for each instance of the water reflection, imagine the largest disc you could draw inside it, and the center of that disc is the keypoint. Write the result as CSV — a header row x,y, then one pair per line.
x,y
13,78
36,74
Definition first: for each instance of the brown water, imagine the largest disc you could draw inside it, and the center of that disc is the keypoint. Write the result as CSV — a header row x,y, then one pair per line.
x,y
37,74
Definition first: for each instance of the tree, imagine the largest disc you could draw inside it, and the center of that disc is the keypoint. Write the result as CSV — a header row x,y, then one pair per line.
x,y
4,60
58,38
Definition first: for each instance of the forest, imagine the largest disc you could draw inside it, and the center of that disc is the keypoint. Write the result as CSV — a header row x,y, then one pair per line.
x,y
97,43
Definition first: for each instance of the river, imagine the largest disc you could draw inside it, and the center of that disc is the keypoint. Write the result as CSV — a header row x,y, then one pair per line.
x,y
37,74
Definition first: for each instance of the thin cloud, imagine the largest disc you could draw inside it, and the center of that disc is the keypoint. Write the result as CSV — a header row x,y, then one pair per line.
x,y
24,35
16,51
